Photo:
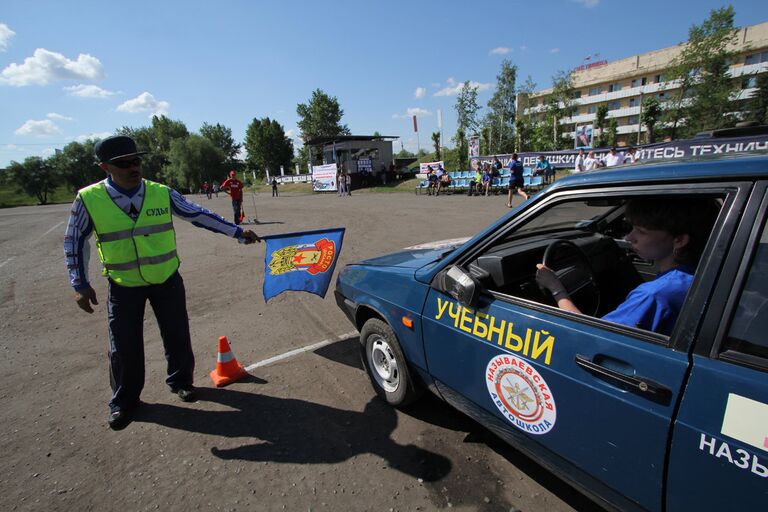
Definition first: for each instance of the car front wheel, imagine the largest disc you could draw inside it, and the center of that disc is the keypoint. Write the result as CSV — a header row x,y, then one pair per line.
x,y
385,363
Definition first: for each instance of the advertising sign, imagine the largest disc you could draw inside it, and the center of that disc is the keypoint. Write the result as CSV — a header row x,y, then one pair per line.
x,y
324,178
434,165
583,138
474,147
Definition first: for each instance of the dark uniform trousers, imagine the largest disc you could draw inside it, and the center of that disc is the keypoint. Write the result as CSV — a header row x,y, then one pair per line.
x,y
126,337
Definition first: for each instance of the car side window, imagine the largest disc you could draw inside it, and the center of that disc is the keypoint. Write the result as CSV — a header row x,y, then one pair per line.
x,y
747,332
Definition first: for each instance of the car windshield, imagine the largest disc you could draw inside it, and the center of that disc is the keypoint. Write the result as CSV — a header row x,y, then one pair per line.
x,y
569,215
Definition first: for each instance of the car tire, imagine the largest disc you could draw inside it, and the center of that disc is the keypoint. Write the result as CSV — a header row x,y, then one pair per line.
x,y
386,365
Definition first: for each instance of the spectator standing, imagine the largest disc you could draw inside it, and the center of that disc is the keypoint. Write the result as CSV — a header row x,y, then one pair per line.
x,y
132,220
234,187
631,157
215,187
383,174
591,163
207,189
613,158
579,163
347,183
274,188
516,182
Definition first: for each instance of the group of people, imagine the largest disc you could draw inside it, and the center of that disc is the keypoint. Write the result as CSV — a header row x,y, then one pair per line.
x,y
589,162
343,183
210,189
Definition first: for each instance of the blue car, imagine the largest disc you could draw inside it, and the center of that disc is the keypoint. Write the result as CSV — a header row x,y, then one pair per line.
x,y
644,400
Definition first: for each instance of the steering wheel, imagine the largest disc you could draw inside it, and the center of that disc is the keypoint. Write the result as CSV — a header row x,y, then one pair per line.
x,y
577,277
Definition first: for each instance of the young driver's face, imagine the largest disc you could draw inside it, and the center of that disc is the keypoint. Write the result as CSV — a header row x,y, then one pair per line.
x,y
651,244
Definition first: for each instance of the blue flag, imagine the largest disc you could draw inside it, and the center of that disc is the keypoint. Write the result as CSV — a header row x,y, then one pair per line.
x,y
301,261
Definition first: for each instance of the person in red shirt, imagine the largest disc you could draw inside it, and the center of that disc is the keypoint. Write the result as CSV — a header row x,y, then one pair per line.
x,y
234,187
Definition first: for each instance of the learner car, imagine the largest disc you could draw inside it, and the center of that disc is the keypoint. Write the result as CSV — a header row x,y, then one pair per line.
x,y
636,420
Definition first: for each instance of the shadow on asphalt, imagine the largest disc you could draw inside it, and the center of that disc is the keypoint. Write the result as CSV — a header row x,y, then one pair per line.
x,y
297,431
434,411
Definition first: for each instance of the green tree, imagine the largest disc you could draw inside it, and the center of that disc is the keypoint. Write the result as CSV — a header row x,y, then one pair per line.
x,y
467,108
436,144
221,136
524,123
501,115
321,116
35,176
76,165
560,105
404,153
267,147
156,141
612,135
600,117
651,115
757,105
704,97
193,160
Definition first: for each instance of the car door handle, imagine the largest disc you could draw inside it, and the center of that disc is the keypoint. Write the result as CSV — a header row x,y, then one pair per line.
x,y
642,385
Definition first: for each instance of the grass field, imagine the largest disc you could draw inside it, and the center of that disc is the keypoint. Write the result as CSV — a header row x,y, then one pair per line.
x,y
11,196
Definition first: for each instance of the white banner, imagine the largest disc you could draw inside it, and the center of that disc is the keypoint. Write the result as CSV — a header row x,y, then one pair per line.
x,y
474,147
324,178
434,165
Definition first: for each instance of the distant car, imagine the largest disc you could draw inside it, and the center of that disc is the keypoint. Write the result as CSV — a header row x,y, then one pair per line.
x,y
635,419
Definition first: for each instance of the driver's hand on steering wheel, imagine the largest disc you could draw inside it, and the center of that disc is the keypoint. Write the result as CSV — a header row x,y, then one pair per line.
x,y
546,278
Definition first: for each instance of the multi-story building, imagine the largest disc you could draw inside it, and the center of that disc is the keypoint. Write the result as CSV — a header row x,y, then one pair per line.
x,y
622,85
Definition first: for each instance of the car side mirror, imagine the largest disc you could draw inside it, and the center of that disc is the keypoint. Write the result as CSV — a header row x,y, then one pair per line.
x,y
460,285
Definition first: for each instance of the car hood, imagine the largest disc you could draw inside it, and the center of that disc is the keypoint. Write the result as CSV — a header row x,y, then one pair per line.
x,y
416,256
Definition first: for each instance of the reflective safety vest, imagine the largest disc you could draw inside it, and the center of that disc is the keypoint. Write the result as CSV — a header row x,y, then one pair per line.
x,y
134,253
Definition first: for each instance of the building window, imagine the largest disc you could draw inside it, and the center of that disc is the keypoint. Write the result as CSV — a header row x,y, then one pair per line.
x,y
749,82
634,102
594,91
576,95
661,95
614,87
658,78
614,105
633,120
637,82
756,58
591,109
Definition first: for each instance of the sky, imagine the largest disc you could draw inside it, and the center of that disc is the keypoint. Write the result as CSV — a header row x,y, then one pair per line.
x,y
82,69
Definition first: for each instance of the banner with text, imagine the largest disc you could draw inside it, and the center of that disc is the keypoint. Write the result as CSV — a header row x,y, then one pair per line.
x,y
672,150
433,165
324,178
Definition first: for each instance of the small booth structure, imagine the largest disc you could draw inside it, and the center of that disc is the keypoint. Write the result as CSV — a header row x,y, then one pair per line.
x,y
361,156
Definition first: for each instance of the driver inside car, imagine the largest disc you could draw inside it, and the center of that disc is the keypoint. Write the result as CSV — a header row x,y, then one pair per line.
x,y
671,231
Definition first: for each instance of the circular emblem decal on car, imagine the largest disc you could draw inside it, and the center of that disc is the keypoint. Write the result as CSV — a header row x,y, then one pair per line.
x,y
521,394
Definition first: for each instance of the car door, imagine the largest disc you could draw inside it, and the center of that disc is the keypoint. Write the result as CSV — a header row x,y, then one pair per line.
x,y
719,450
590,399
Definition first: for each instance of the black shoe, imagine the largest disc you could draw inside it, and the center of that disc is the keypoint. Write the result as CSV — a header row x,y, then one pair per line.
x,y
187,393
119,419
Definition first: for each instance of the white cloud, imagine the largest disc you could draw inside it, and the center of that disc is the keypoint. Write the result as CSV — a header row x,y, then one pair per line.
x,y
554,50
454,87
500,50
88,91
58,117
145,102
93,136
6,34
44,128
413,111
290,133
419,92
523,47
45,67
587,3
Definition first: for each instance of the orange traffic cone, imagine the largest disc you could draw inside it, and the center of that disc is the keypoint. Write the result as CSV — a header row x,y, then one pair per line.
x,y
227,370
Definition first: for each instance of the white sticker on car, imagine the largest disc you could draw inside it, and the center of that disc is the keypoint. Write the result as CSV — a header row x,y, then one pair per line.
x,y
521,394
746,420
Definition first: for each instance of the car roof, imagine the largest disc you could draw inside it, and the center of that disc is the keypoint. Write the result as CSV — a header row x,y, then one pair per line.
x,y
700,169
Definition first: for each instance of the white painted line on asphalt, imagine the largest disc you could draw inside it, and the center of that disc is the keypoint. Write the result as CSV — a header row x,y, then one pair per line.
x,y
298,351
54,227
6,261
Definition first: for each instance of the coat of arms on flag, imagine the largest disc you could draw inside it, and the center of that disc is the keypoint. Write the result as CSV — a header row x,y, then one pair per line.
x,y
301,261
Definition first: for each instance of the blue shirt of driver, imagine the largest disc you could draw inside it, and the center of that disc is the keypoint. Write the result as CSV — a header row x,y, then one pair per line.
x,y
655,305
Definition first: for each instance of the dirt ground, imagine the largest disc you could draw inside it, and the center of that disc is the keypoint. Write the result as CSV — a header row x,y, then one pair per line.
x,y
304,433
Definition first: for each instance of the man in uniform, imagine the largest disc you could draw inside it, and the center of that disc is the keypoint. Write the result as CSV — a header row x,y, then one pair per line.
x,y
136,241
234,187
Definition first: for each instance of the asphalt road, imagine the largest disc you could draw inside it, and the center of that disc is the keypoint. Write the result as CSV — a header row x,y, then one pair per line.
x,y
304,433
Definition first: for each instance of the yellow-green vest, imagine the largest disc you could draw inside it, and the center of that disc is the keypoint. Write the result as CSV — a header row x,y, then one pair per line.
x,y
134,253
